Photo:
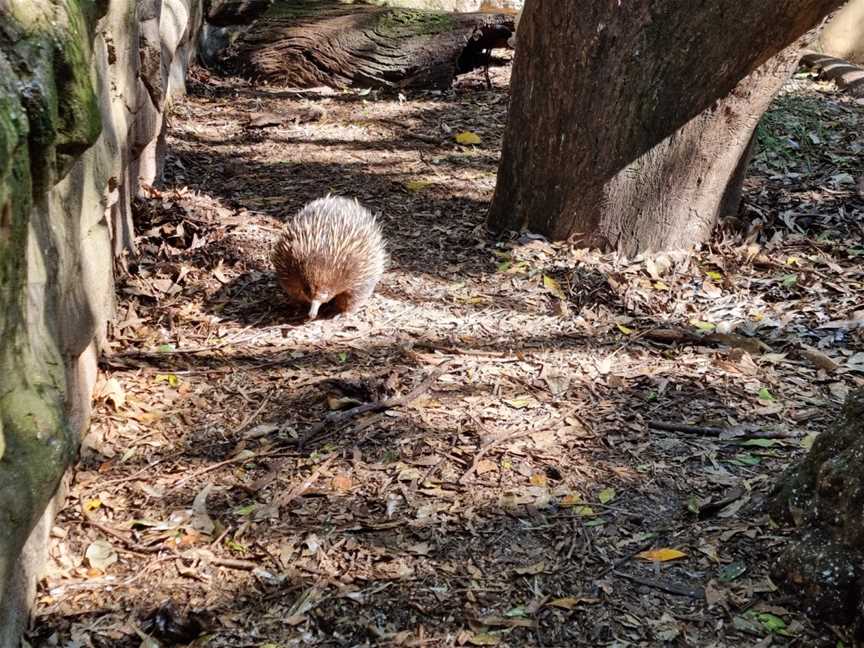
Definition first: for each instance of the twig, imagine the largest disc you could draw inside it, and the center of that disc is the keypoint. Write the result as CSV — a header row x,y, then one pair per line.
x,y
297,491
338,418
205,470
134,475
625,559
663,585
131,546
236,339
489,445
688,429
231,563
252,416
737,431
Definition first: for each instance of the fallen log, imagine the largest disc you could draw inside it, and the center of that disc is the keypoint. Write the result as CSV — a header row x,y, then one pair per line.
x,y
325,42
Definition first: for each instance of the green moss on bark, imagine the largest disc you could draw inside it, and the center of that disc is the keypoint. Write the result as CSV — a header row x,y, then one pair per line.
x,y
398,23
48,47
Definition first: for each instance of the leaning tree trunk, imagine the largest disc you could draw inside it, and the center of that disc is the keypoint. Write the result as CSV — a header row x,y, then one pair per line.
x,y
326,42
627,124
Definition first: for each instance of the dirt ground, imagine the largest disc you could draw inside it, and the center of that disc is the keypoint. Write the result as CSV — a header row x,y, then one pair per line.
x,y
583,445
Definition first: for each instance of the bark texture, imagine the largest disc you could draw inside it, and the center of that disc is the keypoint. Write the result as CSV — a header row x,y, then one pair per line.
x,y
325,42
824,498
84,87
627,124
849,77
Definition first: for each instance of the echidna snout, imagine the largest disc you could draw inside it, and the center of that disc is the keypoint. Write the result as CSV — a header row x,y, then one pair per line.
x,y
330,254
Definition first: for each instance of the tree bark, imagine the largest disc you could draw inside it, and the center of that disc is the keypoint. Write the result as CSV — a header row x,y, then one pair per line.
x,y
325,42
626,126
823,497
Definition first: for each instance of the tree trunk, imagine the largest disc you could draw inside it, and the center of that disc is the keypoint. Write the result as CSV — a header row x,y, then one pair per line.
x,y
317,42
626,126
824,498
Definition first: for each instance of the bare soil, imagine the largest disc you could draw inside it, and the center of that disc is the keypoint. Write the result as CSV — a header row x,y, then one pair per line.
x,y
531,493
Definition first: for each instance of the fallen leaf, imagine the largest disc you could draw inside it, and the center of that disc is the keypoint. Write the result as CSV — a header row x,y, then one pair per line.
x,y
553,287
342,483
570,602
531,570
661,555
703,326
113,393
606,495
467,137
538,479
417,185
101,555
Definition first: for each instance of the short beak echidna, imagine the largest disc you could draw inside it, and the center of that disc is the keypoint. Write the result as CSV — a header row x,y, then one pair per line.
x,y
332,252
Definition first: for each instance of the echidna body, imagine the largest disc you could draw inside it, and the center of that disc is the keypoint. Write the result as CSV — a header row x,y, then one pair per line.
x,y
332,251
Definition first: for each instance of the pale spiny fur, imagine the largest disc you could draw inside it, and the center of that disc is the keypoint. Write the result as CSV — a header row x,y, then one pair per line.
x,y
332,250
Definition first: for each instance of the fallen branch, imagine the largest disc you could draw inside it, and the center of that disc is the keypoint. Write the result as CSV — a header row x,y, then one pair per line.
x,y
734,432
341,417
664,585
672,335
302,487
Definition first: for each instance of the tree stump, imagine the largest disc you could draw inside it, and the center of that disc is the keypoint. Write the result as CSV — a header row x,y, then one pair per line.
x,y
824,498
325,42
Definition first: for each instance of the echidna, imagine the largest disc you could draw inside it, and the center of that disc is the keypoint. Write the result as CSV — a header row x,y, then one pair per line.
x,y
331,252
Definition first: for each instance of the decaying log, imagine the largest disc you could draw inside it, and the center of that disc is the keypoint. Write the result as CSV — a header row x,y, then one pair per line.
x,y
325,42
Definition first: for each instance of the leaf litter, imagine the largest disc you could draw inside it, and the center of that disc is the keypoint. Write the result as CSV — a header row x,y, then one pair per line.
x,y
516,443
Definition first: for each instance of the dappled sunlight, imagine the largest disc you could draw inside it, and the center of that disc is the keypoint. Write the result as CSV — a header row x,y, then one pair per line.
x,y
536,414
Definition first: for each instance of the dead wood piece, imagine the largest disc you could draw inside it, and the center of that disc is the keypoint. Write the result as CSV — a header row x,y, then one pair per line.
x,y
233,563
341,417
733,432
830,68
325,42
750,345
664,585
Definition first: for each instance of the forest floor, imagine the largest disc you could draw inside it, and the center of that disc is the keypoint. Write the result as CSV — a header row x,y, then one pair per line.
x,y
532,489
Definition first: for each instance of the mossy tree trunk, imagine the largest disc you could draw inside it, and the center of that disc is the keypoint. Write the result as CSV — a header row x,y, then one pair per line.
x,y
325,42
824,498
627,124
49,115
